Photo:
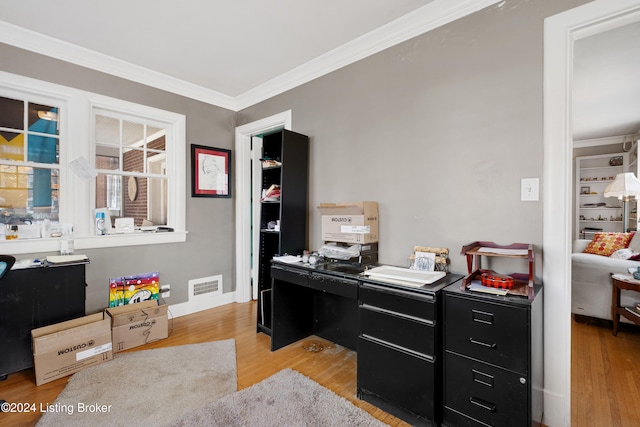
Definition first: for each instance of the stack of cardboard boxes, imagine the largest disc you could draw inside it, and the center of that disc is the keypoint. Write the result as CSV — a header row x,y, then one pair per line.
x,y
352,223
68,347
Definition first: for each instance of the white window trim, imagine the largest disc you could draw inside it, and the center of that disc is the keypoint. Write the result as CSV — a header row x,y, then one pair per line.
x,y
76,141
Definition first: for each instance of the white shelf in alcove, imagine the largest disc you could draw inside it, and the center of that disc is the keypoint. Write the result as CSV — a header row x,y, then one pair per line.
x,y
599,220
600,207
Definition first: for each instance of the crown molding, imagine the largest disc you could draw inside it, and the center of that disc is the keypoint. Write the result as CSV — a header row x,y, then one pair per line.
x,y
420,21
424,19
45,45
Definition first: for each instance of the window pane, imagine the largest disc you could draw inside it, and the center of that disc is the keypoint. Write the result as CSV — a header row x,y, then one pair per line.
x,y
28,193
107,158
145,199
12,146
109,193
43,149
43,119
157,201
11,113
133,160
107,130
132,134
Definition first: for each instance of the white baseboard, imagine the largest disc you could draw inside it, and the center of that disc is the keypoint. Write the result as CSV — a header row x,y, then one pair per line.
x,y
182,309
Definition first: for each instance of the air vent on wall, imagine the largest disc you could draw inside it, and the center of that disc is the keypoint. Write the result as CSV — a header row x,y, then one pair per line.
x,y
206,287
203,292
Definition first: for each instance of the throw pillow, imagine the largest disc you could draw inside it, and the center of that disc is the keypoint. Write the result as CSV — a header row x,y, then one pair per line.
x,y
625,253
607,243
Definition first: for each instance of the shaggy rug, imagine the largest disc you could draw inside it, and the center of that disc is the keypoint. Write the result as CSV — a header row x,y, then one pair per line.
x,y
287,398
147,387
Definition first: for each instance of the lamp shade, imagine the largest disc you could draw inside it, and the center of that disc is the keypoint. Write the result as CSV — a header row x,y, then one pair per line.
x,y
624,186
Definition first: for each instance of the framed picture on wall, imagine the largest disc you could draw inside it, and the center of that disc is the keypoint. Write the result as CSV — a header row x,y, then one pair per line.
x,y
210,171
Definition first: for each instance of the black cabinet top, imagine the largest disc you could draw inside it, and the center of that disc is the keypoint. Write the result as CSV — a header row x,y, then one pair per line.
x,y
508,299
354,271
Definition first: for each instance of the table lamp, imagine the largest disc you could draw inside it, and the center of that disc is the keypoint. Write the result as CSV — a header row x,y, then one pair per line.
x,y
625,186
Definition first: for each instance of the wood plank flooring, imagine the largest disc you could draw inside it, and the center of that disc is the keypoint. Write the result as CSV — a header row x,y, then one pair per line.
x,y
605,369
333,366
605,375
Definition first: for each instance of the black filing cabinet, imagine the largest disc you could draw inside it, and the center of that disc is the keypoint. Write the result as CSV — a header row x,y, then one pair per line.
x,y
35,297
493,359
399,349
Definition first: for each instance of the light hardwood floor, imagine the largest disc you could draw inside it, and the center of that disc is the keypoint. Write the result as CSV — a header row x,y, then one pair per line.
x,y
605,369
605,375
333,367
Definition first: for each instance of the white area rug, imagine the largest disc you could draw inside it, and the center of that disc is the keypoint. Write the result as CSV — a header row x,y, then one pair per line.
x,y
287,398
147,387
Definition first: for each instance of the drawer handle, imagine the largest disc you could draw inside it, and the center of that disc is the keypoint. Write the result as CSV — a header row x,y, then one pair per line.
x,y
484,344
483,404
482,378
482,317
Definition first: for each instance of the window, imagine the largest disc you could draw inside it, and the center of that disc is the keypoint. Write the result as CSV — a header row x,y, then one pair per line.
x,y
29,161
65,152
130,160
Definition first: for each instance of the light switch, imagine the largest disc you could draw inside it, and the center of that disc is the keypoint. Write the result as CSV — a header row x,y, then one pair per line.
x,y
529,189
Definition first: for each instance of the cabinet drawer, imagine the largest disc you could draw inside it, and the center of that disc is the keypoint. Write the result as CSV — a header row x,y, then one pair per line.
x,y
334,285
484,392
413,304
397,377
493,333
291,276
411,333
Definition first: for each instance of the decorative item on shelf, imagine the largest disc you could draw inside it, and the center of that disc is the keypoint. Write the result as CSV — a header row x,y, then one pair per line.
x,y
426,258
625,186
616,161
636,275
495,280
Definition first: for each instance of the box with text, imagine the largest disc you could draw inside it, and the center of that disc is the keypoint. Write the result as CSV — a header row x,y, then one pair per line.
x,y
68,347
137,324
349,222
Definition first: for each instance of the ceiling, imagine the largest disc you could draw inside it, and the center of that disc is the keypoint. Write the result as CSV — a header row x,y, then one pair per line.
x,y
237,53
226,52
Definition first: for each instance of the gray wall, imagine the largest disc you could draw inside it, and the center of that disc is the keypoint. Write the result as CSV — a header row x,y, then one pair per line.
x,y
209,249
439,130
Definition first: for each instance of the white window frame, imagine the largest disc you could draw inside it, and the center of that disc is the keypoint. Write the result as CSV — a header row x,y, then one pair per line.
x,y
77,195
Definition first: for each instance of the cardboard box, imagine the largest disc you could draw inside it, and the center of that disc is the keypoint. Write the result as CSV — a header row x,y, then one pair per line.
x,y
65,348
350,222
137,324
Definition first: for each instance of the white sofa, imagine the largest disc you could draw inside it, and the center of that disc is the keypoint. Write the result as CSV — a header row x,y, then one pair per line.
x,y
591,288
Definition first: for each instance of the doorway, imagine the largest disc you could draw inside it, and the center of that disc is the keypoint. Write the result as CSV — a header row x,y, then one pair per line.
x,y
560,32
245,234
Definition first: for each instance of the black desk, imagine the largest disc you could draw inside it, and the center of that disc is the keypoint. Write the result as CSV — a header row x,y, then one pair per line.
x,y
396,330
35,297
314,300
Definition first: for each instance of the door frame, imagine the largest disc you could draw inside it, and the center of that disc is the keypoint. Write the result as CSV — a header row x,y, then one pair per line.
x,y
560,32
242,166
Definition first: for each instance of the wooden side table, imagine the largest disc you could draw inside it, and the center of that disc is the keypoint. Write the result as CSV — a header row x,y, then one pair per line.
x,y
616,308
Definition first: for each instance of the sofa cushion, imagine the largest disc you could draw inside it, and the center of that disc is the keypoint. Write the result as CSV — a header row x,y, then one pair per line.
x,y
607,243
625,253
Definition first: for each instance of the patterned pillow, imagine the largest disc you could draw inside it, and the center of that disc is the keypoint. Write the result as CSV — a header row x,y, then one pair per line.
x,y
607,243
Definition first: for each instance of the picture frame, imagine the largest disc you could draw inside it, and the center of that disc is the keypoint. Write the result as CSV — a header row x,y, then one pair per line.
x,y
210,171
585,190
